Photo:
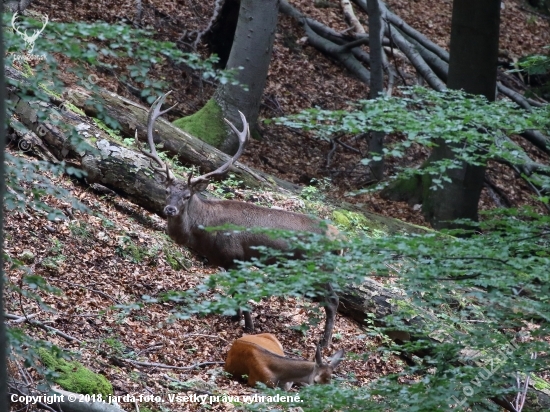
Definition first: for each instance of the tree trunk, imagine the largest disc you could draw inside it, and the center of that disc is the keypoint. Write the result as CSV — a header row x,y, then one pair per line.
x,y
220,35
376,143
4,406
474,47
251,50
250,57
472,67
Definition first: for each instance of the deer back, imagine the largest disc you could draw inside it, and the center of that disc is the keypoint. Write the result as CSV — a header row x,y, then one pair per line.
x,y
261,359
223,247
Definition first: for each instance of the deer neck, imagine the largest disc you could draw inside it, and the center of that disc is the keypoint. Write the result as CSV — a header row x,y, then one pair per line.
x,y
294,370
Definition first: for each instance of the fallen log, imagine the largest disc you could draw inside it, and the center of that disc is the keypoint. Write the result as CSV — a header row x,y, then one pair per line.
x,y
187,148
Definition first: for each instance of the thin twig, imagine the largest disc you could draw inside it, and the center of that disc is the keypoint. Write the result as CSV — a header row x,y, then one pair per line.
x,y
164,366
24,375
19,319
531,185
522,392
139,13
392,54
44,327
331,152
528,10
150,349
188,335
353,149
54,330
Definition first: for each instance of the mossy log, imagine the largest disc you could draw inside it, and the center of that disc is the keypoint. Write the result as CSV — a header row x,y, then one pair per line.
x,y
189,149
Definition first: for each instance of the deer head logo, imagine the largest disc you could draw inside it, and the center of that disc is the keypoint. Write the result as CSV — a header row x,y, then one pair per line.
x,y
29,39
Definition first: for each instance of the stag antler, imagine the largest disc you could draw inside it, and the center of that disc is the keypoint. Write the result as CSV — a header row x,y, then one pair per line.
x,y
243,138
154,113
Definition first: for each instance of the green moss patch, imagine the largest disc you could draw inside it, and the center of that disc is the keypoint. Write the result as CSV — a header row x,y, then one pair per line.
x,y
207,124
540,384
356,222
74,377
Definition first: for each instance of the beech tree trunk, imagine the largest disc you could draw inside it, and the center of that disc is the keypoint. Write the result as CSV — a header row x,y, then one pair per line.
x,y
473,68
376,143
251,50
220,35
4,406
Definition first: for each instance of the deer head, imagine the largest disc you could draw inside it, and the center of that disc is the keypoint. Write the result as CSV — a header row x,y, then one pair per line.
x,y
179,192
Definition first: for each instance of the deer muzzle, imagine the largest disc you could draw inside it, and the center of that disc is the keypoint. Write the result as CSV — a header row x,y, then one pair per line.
x,y
170,210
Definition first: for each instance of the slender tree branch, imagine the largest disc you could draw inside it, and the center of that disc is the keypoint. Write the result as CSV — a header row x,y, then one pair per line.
x,y
164,366
338,52
45,327
350,17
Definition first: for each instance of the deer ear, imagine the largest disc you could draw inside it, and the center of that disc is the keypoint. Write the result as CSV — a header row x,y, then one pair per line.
x,y
201,186
318,357
337,358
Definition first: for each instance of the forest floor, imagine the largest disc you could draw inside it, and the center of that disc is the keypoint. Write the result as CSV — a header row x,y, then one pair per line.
x,y
119,253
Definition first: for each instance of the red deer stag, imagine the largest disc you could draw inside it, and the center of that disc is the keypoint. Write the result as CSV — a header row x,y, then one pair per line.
x,y
261,359
188,214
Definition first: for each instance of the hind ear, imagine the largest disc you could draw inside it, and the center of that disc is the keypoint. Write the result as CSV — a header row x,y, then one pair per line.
x,y
337,358
318,357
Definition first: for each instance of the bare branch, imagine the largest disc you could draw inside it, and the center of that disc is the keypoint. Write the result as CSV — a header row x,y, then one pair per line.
x,y
350,17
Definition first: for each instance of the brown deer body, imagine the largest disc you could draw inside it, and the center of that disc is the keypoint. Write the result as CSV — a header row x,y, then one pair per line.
x,y
222,248
261,359
188,214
